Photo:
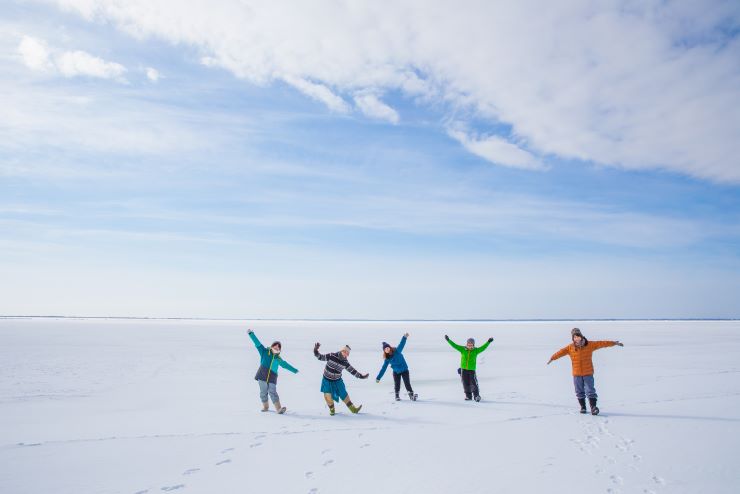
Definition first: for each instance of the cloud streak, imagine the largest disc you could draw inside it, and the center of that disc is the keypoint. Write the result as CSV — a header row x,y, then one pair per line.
x,y
627,85
37,56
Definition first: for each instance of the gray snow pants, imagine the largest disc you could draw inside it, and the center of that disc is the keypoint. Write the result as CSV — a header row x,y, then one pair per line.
x,y
584,386
268,388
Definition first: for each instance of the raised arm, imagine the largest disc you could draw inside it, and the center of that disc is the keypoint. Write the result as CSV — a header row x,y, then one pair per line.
x,y
483,347
316,352
560,353
256,341
382,370
285,365
454,345
400,346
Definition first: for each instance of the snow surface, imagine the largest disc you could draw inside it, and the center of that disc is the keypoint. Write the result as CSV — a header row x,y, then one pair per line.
x,y
152,406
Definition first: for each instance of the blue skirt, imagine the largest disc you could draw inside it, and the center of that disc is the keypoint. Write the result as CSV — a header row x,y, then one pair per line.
x,y
335,388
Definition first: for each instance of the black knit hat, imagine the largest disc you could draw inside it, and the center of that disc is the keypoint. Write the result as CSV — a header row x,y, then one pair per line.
x,y
575,332
385,345
279,345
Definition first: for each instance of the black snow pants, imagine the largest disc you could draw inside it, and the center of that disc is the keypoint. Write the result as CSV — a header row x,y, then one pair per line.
x,y
470,383
406,381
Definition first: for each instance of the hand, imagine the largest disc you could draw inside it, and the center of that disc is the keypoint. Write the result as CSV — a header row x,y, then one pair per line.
x,y
406,335
249,331
548,362
447,338
490,340
316,346
364,376
619,343
377,381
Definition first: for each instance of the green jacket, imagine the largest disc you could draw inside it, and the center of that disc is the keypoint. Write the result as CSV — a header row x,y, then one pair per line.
x,y
468,357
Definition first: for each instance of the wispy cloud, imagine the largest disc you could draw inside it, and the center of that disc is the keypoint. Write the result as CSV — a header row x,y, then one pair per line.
x,y
37,56
497,150
373,107
629,87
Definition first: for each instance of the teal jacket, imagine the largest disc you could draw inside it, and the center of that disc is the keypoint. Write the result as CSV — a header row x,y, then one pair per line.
x,y
270,362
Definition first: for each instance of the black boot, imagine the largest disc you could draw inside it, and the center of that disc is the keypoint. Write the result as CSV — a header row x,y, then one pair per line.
x,y
398,398
594,408
582,401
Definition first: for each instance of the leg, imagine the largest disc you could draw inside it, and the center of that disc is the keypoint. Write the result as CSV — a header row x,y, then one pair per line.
x,y
588,382
474,386
407,381
263,395
578,384
466,384
396,383
272,389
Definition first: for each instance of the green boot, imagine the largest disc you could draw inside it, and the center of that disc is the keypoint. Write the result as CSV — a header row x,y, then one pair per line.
x,y
331,410
353,408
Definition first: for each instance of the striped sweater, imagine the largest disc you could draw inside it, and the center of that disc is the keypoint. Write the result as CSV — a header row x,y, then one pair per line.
x,y
335,364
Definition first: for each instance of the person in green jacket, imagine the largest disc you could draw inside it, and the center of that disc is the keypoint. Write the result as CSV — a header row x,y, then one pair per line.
x,y
267,373
468,357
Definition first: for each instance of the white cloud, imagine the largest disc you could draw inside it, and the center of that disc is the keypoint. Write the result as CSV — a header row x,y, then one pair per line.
x,y
34,52
80,63
637,85
497,150
318,92
37,56
153,74
373,107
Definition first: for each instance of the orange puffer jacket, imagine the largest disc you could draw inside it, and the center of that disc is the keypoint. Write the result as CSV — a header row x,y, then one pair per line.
x,y
581,357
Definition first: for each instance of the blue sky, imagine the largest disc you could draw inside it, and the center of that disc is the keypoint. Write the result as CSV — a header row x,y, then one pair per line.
x,y
360,164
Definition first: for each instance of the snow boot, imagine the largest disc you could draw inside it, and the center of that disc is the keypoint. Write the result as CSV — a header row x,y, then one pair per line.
x,y
582,401
594,408
353,408
332,411
278,408
398,398
265,407
477,398
413,396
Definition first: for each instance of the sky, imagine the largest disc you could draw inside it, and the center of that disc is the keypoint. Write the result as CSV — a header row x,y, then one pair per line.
x,y
370,160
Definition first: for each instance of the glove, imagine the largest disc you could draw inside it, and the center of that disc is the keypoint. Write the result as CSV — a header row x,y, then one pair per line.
x,y
406,335
364,376
490,340
316,346
377,380
249,331
548,362
619,343
447,338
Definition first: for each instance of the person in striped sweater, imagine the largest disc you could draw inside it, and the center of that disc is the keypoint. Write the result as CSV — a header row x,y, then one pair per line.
x,y
332,384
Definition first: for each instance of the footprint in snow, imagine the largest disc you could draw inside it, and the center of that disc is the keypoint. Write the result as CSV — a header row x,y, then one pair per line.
x,y
259,436
173,487
142,492
223,462
309,475
223,451
658,480
191,471
255,445
325,451
313,491
617,479
365,445
636,457
328,462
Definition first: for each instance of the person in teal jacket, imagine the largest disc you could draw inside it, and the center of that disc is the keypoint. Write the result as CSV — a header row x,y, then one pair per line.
x,y
468,359
393,356
267,373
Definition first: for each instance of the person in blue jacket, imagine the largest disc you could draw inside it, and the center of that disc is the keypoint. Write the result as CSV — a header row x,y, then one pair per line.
x,y
270,362
393,356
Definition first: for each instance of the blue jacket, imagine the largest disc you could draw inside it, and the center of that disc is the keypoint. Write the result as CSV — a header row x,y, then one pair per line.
x,y
397,362
269,362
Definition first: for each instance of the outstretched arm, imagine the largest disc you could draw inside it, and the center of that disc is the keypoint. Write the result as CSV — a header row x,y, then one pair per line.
x,y
604,344
256,341
285,365
454,345
316,352
483,347
400,346
382,370
560,353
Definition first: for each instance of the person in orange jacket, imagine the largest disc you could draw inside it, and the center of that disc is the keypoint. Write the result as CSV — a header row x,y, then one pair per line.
x,y
580,352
